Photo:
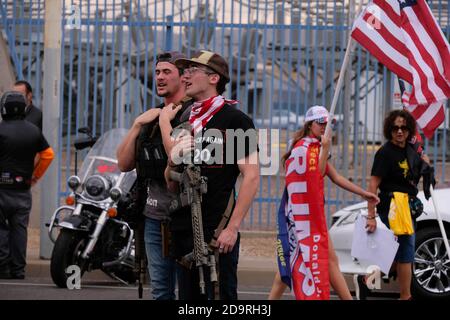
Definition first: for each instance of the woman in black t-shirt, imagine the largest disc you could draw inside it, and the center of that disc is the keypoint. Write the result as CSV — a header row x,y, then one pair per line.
x,y
396,167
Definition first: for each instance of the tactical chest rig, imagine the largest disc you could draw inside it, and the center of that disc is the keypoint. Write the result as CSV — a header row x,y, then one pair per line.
x,y
151,157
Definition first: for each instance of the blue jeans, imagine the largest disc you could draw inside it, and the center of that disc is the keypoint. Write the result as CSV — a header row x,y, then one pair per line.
x,y
161,269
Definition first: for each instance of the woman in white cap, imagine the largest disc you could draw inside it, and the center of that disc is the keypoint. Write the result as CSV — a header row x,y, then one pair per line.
x,y
306,257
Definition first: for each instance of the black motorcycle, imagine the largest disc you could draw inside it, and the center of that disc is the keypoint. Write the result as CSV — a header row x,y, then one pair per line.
x,y
96,226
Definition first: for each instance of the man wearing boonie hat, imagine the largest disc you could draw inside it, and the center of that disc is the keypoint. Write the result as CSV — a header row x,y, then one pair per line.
x,y
143,148
206,75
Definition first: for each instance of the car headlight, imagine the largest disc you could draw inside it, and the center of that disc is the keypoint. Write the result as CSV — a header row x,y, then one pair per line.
x,y
73,182
97,187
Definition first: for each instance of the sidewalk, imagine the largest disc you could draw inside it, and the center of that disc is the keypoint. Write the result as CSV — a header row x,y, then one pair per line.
x,y
257,261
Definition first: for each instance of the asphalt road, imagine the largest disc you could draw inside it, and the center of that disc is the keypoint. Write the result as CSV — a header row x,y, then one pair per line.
x,y
97,286
253,285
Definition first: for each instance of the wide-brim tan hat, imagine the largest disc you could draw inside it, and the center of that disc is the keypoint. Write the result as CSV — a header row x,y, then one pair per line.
x,y
207,58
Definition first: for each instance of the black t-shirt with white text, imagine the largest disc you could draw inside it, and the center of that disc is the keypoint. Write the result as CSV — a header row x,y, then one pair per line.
x,y
221,148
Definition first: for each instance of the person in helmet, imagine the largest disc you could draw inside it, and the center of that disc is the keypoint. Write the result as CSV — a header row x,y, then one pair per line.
x,y
20,142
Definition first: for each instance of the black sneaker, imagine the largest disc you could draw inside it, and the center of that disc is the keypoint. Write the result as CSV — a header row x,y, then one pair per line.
x,y
393,275
18,276
361,290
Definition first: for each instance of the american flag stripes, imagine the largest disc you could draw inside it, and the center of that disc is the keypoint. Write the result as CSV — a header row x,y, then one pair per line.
x,y
203,111
404,36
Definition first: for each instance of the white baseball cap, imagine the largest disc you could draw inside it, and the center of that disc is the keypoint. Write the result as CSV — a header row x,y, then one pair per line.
x,y
317,113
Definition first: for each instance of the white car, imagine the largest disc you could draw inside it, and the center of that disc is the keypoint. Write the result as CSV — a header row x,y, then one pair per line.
x,y
285,119
281,119
431,268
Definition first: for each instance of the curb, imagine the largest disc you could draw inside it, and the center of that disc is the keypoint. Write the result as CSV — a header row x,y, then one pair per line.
x,y
37,266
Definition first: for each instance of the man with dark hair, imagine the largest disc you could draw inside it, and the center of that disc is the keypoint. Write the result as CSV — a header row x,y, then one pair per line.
x,y
32,114
145,148
206,74
20,143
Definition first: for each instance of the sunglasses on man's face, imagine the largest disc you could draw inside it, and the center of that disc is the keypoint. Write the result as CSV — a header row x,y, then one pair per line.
x,y
194,69
403,128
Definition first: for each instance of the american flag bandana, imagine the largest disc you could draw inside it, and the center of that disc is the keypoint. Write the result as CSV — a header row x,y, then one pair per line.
x,y
203,111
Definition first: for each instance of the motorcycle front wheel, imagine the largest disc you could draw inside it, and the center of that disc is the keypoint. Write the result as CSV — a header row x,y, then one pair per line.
x,y
67,252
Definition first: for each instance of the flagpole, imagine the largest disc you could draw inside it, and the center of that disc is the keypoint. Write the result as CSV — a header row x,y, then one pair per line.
x,y
337,91
339,85
439,219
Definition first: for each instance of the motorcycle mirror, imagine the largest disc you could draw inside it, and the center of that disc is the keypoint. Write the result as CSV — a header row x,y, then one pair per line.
x,y
85,130
84,143
73,182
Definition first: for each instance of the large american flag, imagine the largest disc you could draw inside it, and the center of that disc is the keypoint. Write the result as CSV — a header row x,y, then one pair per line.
x,y
405,37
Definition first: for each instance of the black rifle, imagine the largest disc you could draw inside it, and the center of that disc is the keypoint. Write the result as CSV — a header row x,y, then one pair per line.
x,y
192,186
137,222
140,257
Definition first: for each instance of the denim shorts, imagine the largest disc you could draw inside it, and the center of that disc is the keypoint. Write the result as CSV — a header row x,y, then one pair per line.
x,y
406,248
405,252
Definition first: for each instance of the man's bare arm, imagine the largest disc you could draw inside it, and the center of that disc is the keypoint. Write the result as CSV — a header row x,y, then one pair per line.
x,y
126,157
249,168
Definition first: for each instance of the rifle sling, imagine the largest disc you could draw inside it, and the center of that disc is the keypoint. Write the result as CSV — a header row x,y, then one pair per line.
x,y
225,218
212,244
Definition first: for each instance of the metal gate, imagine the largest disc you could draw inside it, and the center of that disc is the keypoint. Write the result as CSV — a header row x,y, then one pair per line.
x,y
284,56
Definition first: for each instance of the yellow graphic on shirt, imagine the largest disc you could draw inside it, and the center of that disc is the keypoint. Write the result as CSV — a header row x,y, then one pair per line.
x,y
404,166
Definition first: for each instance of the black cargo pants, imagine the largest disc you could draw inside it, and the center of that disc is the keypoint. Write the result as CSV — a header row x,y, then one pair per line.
x,y
15,206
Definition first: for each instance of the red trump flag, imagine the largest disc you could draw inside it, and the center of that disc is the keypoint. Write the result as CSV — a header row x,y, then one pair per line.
x,y
306,224
405,37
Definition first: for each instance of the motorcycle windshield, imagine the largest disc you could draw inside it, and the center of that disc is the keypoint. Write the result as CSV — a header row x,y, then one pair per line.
x,y
101,160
